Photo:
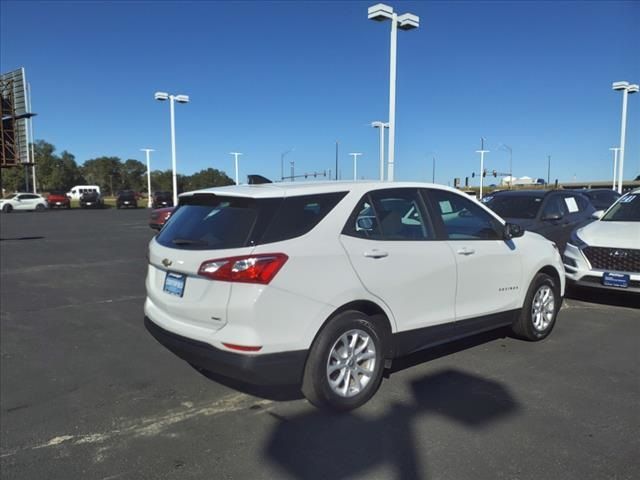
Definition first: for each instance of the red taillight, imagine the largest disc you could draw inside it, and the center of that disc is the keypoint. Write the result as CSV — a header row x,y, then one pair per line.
x,y
247,269
242,348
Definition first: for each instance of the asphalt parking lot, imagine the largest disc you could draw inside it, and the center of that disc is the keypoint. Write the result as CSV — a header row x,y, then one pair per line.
x,y
86,392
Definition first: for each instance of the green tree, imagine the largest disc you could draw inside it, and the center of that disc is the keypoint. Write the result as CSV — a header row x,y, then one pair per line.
x,y
12,179
106,172
208,178
161,181
134,175
55,172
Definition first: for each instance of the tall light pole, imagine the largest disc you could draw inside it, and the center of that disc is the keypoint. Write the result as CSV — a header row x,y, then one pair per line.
x,y
548,169
510,150
433,172
482,151
381,126
626,90
407,21
236,155
355,164
615,165
162,96
282,155
148,152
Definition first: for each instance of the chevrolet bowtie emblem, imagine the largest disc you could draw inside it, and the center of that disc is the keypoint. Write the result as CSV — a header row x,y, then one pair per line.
x,y
166,262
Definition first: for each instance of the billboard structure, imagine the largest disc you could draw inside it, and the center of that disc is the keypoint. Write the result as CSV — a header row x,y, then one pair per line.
x,y
16,114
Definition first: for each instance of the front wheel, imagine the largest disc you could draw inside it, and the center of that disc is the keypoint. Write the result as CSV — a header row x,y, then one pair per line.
x,y
345,363
540,309
7,208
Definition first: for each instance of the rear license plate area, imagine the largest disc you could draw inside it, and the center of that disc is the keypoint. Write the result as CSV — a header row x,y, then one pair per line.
x,y
174,284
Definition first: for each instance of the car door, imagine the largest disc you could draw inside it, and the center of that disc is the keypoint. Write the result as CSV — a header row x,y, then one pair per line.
x,y
489,269
554,221
23,203
392,246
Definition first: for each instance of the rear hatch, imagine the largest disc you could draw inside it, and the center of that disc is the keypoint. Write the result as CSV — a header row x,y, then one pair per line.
x,y
205,227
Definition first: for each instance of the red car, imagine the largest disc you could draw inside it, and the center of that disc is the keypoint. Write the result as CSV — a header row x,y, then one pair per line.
x,y
58,200
159,217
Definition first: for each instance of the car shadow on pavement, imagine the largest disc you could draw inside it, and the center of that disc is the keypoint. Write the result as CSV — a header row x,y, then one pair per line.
x,y
321,445
21,238
604,297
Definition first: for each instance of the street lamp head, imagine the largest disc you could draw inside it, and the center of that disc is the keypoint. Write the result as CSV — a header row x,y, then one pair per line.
x,y
408,21
147,150
380,12
161,96
182,98
620,85
633,88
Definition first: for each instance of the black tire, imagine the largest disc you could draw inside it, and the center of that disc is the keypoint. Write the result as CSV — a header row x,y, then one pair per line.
x,y
7,208
525,326
315,383
39,208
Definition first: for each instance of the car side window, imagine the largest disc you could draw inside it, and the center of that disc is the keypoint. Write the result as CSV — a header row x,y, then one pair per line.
x,y
463,219
555,205
393,214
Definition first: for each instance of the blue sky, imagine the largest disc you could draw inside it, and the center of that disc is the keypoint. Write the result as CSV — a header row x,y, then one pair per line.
x,y
265,77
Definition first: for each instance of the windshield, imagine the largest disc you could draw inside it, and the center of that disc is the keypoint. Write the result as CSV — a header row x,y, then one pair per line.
x,y
626,210
515,206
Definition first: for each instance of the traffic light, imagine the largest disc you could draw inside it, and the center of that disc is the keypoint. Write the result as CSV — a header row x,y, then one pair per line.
x,y
473,174
484,173
495,173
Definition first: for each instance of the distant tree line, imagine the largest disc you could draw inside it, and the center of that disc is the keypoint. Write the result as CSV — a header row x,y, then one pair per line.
x,y
61,172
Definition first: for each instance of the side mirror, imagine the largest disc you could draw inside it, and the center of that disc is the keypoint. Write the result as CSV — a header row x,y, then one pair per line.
x,y
552,216
511,230
597,215
364,223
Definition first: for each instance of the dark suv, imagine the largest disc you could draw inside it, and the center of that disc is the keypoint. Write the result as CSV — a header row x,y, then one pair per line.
x,y
126,198
162,199
554,214
91,200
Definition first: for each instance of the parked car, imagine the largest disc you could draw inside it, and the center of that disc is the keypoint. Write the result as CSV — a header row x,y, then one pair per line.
x,y
162,199
23,201
126,199
159,217
323,285
91,200
554,214
601,198
58,200
606,253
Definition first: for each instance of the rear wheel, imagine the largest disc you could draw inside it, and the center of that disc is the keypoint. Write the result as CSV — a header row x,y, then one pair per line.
x,y
345,363
540,309
39,207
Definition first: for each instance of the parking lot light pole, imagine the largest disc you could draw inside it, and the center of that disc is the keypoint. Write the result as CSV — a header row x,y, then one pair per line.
x,y
148,152
355,164
482,151
236,155
407,21
162,96
615,151
282,155
381,126
626,90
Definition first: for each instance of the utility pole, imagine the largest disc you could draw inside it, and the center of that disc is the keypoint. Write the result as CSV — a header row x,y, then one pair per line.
x,y
336,160
615,165
355,165
482,151
548,169
433,173
292,163
236,155
148,152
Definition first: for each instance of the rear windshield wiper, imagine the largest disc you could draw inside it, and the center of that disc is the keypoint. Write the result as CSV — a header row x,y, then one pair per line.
x,y
187,241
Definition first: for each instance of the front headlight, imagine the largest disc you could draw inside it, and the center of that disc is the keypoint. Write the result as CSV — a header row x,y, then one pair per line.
x,y
576,241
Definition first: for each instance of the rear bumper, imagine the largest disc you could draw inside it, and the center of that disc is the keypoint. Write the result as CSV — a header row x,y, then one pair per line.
x,y
285,368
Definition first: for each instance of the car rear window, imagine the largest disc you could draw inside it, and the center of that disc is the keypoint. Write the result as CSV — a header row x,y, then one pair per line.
x,y
212,222
515,206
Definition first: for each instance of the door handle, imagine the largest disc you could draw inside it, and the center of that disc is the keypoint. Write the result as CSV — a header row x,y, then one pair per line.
x,y
376,254
466,251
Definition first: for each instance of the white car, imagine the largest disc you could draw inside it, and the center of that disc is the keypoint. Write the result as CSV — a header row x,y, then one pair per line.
x,y
606,253
23,201
324,284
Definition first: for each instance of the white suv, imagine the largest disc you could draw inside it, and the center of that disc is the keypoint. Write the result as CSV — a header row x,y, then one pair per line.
x,y
322,285
606,253
23,201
